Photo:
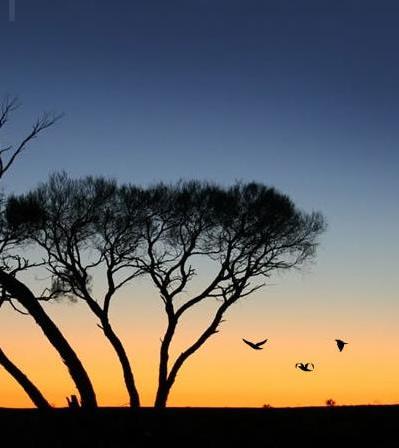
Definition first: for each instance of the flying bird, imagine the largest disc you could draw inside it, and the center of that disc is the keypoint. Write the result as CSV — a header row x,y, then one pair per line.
x,y
305,367
255,345
341,344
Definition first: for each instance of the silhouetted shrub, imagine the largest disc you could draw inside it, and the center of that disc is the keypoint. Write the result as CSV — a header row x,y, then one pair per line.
x,y
330,403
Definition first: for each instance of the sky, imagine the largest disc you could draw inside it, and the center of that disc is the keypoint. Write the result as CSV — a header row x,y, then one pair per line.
x,y
303,96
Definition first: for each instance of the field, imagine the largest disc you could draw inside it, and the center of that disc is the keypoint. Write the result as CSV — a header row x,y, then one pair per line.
x,y
355,426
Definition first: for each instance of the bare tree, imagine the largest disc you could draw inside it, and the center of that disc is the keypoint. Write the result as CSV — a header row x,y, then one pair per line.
x,y
12,264
247,232
80,227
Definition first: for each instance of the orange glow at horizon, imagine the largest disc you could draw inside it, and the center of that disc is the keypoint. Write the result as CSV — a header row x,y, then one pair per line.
x,y
223,373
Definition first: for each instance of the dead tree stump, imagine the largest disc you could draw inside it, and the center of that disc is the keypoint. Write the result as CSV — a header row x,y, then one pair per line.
x,y
73,402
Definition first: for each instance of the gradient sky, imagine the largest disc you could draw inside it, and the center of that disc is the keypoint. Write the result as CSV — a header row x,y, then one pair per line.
x,y
302,95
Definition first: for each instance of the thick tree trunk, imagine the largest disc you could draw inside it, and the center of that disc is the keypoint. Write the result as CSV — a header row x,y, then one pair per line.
x,y
164,385
33,392
124,360
162,395
79,375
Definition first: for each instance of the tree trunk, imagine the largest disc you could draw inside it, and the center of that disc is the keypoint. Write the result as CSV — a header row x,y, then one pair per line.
x,y
134,398
79,375
124,360
163,388
164,384
34,393
162,394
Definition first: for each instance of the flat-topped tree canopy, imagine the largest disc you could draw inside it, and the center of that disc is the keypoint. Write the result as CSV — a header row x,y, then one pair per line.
x,y
244,222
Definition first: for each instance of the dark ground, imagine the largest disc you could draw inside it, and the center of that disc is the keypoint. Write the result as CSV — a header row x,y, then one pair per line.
x,y
354,426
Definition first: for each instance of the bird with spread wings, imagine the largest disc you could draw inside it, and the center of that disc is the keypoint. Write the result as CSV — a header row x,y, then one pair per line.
x,y
255,345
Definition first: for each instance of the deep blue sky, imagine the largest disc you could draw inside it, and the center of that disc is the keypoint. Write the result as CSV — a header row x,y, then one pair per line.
x,y
302,97
300,94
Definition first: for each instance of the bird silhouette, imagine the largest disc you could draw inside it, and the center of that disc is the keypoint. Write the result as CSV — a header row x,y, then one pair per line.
x,y
340,344
305,367
255,345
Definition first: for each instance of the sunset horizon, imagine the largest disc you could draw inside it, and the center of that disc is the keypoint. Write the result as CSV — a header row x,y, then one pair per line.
x,y
258,130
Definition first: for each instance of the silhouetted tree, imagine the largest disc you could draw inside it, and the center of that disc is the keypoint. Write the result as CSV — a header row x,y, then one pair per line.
x,y
247,232
12,263
80,227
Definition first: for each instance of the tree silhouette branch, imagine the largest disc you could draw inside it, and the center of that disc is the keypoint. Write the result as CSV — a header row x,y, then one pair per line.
x,y
9,105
